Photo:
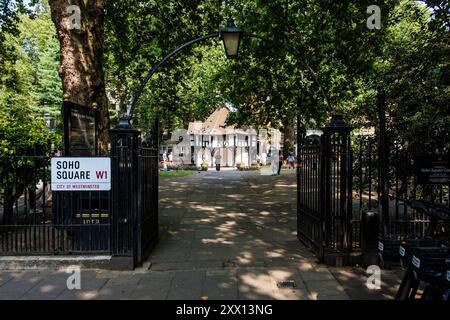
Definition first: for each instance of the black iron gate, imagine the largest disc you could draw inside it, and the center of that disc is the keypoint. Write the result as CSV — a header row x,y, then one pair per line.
x,y
309,192
324,190
134,192
148,227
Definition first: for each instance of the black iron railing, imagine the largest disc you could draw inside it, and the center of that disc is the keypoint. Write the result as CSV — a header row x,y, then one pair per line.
x,y
396,217
35,220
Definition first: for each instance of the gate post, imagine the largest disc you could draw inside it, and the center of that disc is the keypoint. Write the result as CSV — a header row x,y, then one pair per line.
x,y
383,155
301,135
124,192
325,193
337,178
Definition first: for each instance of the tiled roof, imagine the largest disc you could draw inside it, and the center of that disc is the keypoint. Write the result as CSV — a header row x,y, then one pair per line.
x,y
217,120
215,124
195,127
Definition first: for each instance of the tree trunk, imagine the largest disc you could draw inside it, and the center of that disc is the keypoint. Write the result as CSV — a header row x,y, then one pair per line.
x,y
11,196
32,197
8,206
81,54
289,140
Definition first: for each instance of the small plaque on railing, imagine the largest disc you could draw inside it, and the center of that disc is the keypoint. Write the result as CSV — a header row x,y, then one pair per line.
x,y
433,169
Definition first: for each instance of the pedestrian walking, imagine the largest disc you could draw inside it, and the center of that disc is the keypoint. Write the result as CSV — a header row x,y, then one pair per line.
x,y
274,156
291,162
218,161
165,161
280,162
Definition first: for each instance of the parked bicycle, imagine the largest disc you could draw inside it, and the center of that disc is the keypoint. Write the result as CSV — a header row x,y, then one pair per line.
x,y
392,245
427,260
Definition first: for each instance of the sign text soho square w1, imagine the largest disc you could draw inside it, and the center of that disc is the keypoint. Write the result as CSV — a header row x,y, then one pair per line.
x,y
81,174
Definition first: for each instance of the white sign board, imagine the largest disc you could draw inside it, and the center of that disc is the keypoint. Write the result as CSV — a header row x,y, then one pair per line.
x,y
81,174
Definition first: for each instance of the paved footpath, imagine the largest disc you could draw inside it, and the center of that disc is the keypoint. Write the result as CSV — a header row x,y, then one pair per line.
x,y
224,235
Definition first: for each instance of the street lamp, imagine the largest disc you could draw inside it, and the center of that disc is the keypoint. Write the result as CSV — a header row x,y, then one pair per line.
x,y
231,37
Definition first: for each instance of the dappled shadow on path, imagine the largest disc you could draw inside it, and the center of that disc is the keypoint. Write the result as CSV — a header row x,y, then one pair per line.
x,y
241,225
224,236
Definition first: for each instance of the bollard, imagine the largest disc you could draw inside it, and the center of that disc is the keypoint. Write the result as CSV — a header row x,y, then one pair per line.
x,y
370,229
370,233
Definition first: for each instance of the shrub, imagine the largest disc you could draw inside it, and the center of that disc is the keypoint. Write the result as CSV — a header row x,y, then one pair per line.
x,y
204,166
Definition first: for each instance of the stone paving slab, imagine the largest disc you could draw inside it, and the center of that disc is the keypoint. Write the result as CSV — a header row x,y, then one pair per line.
x,y
177,235
187,285
281,290
49,288
171,250
5,277
91,284
154,286
21,284
211,251
220,285
324,289
355,282
317,274
189,265
119,288
255,284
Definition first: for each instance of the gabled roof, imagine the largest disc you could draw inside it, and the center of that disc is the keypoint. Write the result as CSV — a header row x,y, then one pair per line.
x,y
216,124
216,120
194,127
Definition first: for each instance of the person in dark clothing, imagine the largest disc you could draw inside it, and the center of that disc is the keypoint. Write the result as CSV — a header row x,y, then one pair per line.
x,y
280,162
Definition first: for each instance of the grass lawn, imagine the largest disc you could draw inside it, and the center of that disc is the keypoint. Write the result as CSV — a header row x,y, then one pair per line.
x,y
175,173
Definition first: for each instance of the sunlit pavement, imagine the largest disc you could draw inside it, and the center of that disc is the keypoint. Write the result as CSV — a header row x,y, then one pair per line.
x,y
224,235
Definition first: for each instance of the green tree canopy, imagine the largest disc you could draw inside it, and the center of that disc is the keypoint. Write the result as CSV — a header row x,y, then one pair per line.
x,y
407,57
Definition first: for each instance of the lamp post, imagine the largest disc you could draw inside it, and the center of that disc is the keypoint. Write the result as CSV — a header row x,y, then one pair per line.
x,y
231,37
